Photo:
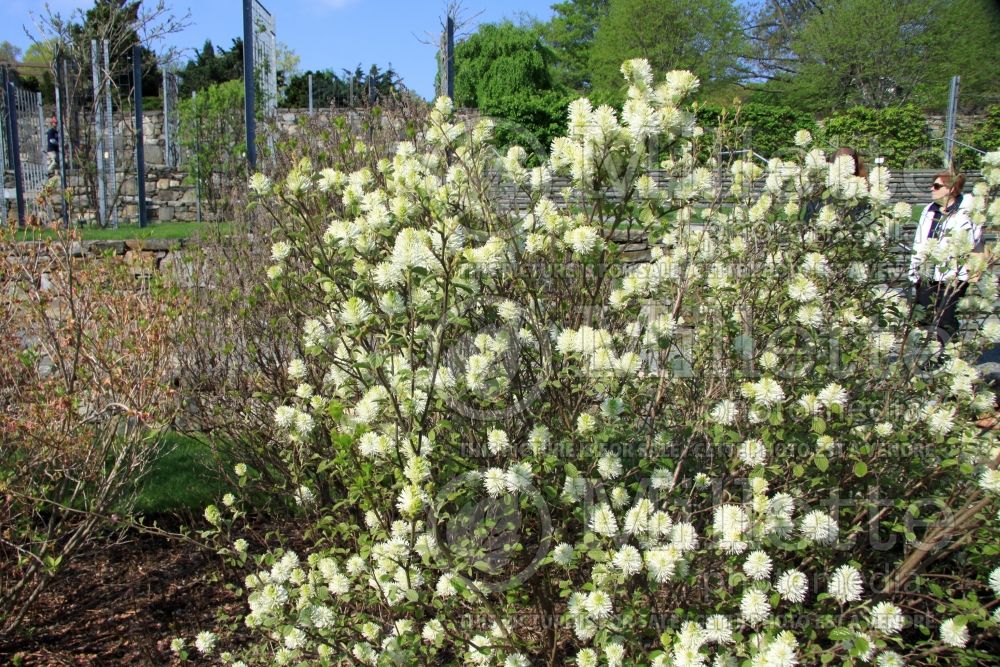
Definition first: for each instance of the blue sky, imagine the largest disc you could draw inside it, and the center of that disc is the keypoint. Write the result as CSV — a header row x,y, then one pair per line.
x,y
337,34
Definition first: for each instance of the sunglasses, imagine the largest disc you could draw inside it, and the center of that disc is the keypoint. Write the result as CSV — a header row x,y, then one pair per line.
x,y
937,186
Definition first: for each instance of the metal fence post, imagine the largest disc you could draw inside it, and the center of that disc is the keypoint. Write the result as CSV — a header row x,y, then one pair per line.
x,y
197,158
310,94
64,208
112,173
140,155
249,82
99,131
15,146
949,134
450,56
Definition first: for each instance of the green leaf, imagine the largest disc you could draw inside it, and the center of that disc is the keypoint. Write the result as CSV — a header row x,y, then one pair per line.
x,y
818,426
822,463
860,469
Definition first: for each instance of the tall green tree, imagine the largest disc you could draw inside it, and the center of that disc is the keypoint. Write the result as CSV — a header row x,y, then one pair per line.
x,y
8,52
824,55
705,37
504,71
570,33
212,65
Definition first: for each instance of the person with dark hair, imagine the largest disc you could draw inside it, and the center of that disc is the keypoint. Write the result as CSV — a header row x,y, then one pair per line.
x,y
859,165
814,205
939,289
52,146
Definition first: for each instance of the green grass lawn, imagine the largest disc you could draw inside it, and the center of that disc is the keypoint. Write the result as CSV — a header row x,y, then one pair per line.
x,y
157,230
184,478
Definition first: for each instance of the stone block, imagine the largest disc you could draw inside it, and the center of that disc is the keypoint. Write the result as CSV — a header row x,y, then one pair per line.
x,y
190,196
154,154
165,214
149,245
104,247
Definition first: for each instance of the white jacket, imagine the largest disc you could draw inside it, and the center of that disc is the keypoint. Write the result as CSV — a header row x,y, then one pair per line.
x,y
956,222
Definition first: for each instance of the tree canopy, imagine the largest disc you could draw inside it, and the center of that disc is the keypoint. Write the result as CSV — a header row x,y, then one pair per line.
x,y
704,37
212,65
505,71
570,34
833,54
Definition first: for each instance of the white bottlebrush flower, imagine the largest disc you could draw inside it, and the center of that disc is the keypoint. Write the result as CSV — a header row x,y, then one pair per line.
x,y
497,441
810,403
260,184
354,312
792,586
519,477
433,631
989,480
661,563
445,587
586,658
516,660
941,420
752,452
280,251
887,618
683,537
769,360
991,331
803,138
718,629
662,479
818,527
598,605
538,439
724,412
615,654
768,392
585,423
628,560
729,519
757,566
409,501
809,315
995,581
609,466
562,554
583,239
832,394
754,607
205,642
889,659
495,482
296,369
845,584
802,289
284,417
954,634
603,521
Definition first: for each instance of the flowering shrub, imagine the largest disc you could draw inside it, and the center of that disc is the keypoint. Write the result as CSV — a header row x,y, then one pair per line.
x,y
637,423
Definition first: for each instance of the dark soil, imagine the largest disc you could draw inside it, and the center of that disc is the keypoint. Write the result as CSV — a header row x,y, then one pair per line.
x,y
121,604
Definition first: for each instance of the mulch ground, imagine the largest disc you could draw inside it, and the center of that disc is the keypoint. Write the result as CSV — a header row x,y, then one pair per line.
x,y
121,604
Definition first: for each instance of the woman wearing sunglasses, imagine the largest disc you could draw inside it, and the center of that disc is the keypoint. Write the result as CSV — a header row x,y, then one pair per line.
x,y
940,289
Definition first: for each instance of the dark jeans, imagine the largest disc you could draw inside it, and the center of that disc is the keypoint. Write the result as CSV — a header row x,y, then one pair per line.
x,y
940,299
